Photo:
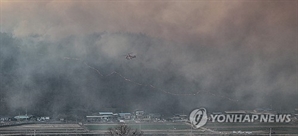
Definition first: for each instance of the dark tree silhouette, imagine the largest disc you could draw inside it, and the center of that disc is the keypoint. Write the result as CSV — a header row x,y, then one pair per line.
x,y
123,130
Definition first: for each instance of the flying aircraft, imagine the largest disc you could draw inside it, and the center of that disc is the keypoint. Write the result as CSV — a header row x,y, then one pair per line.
x,y
130,56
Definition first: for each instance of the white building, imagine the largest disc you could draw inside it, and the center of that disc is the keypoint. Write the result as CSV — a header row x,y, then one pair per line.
x,y
102,116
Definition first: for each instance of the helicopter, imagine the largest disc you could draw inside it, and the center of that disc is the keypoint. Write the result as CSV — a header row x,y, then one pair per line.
x,y
130,56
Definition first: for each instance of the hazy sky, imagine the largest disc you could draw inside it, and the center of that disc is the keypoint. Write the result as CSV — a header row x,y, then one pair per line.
x,y
57,55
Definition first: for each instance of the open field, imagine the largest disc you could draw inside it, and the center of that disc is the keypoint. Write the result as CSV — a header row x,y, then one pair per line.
x,y
162,128
43,129
210,128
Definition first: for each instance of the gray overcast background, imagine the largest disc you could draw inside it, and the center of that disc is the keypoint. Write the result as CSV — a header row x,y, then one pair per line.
x,y
68,57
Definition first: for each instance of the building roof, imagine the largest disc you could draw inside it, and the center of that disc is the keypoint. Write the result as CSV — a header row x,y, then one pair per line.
x,y
100,116
23,116
105,113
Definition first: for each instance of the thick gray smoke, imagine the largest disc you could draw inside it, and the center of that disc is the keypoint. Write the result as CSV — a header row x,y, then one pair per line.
x,y
68,57
63,76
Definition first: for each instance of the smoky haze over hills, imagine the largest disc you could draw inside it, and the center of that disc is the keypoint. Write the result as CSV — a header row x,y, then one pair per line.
x,y
69,57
